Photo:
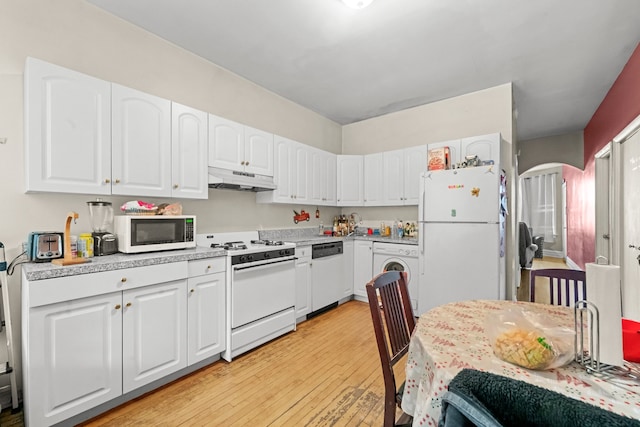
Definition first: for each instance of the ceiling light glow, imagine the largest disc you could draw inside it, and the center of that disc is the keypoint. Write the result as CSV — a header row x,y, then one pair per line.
x,y
357,4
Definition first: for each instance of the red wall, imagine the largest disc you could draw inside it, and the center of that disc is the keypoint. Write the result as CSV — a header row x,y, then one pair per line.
x,y
617,110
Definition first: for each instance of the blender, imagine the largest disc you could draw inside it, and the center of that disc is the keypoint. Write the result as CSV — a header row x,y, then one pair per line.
x,y
104,241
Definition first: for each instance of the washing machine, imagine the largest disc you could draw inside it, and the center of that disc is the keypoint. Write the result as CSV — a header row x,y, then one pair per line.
x,y
398,257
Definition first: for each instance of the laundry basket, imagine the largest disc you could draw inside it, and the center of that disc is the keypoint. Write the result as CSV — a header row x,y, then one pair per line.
x,y
539,241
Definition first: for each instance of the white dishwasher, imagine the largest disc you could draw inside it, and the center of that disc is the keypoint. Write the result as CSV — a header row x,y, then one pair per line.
x,y
326,276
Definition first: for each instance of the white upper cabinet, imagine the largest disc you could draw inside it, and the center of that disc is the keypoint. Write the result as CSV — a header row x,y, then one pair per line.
x,y
189,152
291,173
322,177
350,176
393,178
236,147
486,147
415,162
140,143
226,144
67,130
373,179
258,151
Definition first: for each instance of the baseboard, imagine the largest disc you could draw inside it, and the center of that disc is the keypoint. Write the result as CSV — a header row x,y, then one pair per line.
x,y
553,254
572,265
5,398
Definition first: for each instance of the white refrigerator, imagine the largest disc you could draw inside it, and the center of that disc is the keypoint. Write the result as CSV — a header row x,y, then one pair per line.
x,y
462,218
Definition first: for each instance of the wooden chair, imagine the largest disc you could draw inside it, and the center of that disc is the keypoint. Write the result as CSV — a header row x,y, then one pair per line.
x,y
393,323
566,287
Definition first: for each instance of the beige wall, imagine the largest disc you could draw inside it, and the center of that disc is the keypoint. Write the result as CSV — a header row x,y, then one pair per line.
x,y
567,148
478,113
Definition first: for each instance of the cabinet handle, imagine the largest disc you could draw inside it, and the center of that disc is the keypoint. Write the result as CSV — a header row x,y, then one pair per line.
x,y
118,306
208,267
192,290
117,181
175,186
107,181
128,304
246,163
124,279
242,163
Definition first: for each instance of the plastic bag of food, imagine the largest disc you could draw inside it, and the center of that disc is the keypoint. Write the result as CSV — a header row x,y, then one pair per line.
x,y
526,339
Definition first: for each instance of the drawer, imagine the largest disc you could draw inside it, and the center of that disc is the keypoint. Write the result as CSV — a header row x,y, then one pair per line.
x,y
303,252
49,291
201,267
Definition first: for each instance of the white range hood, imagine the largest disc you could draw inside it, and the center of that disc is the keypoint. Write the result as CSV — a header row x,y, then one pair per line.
x,y
239,181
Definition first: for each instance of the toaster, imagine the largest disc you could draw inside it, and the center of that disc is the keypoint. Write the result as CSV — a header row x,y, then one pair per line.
x,y
43,246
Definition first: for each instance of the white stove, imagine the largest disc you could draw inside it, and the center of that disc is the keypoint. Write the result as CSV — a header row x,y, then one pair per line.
x,y
260,288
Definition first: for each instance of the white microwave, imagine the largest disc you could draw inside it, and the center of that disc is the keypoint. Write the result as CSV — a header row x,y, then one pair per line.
x,y
148,233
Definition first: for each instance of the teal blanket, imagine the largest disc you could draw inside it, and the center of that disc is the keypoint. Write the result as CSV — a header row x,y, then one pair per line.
x,y
484,399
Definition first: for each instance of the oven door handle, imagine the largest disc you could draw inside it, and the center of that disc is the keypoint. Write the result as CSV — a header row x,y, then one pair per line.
x,y
263,265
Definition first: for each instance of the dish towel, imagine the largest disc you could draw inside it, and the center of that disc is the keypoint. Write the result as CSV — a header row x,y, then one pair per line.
x,y
485,399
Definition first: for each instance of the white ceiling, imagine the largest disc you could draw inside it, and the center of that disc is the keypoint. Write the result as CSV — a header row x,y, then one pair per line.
x,y
561,55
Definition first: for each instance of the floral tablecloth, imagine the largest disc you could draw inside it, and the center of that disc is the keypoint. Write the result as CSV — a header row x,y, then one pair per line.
x,y
451,337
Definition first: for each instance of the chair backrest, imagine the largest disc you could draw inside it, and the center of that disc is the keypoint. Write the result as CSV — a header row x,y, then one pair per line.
x,y
566,287
393,323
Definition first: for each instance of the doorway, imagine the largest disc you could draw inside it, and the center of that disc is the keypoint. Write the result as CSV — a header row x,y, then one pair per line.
x,y
625,203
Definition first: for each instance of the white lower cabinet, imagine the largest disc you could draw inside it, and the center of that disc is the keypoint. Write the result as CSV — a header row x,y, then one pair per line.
x,y
303,282
90,338
73,360
154,333
362,267
347,275
206,311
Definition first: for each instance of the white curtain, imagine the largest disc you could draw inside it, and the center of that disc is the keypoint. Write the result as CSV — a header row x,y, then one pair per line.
x,y
539,205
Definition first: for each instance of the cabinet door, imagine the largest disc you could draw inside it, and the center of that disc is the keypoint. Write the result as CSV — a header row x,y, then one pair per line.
x,y
317,176
141,143
73,358
299,166
226,144
303,281
206,317
393,178
154,333
189,152
415,162
373,179
362,267
486,147
258,151
349,263
67,130
350,174
282,170
330,181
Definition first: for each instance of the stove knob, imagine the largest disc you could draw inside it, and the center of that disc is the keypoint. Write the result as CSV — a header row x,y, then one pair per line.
x,y
289,251
267,255
249,258
243,258
282,252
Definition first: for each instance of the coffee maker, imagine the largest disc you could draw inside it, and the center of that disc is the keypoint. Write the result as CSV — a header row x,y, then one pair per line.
x,y
104,242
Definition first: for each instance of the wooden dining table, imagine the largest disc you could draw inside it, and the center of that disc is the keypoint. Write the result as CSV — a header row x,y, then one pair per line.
x,y
452,337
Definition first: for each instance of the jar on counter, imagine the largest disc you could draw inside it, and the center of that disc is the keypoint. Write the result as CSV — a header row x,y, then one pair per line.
x,y
85,245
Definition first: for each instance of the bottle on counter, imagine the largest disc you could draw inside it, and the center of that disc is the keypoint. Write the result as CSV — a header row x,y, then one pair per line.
x,y
73,241
321,229
400,229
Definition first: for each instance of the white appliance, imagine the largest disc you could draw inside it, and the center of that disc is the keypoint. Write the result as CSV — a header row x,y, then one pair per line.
x,y
462,235
147,233
398,257
260,289
326,276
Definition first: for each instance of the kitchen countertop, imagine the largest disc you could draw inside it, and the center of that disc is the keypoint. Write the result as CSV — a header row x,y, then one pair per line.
x,y
41,271
312,240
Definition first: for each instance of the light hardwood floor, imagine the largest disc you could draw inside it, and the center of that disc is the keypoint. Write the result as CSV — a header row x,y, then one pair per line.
x,y
327,373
